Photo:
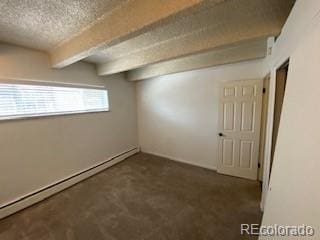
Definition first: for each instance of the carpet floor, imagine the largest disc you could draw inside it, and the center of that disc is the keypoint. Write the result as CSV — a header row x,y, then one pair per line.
x,y
144,197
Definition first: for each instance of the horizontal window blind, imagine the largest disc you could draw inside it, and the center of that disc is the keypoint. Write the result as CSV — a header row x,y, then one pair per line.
x,y
24,100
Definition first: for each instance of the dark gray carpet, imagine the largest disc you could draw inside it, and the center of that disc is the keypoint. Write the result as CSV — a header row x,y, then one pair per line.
x,y
144,197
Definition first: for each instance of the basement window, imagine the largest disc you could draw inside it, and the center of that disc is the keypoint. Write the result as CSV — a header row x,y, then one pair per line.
x,y
36,100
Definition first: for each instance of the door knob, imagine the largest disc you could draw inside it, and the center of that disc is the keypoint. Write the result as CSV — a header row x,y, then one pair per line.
x,y
220,134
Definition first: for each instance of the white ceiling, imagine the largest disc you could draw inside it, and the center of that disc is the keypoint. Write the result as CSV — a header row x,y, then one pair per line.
x,y
43,24
122,35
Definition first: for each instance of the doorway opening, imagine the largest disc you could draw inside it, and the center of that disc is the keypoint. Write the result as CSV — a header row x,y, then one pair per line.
x,y
275,90
281,81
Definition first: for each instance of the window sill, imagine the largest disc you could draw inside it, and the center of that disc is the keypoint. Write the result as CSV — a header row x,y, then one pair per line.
x,y
46,115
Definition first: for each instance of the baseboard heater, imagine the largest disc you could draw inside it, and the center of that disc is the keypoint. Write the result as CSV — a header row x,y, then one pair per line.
x,y
43,193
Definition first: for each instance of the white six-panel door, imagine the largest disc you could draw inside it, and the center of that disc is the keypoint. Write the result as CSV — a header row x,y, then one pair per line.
x,y
239,124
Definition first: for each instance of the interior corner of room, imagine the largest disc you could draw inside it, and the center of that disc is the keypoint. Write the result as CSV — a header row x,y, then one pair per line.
x,y
197,111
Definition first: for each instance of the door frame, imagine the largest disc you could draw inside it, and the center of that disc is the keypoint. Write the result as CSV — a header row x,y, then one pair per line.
x,y
264,116
269,130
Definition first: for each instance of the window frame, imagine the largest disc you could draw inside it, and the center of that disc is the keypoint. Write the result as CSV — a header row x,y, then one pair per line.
x,y
53,84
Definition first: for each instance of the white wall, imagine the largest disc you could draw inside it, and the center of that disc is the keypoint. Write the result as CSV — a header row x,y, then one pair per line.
x,y
178,113
37,152
293,195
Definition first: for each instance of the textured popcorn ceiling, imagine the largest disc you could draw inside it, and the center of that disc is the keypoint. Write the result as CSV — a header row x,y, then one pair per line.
x,y
220,25
121,35
231,16
42,24
245,51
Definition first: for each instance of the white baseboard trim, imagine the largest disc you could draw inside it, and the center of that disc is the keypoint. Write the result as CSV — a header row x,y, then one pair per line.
x,y
180,160
47,191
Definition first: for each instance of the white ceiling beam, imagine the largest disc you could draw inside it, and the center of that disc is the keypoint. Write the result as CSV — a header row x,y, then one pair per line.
x,y
235,53
132,18
183,47
220,26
